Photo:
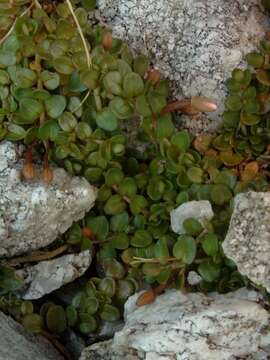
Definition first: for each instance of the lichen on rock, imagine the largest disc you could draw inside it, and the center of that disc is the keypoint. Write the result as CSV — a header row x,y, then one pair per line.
x,y
47,276
195,43
33,214
247,242
190,327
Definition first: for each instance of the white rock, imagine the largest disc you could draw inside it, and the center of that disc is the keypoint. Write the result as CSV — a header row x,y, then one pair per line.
x,y
47,276
193,278
18,344
190,327
196,43
33,214
247,242
200,210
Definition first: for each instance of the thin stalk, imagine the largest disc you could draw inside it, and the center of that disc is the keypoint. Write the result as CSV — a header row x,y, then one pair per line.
x,y
14,24
89,61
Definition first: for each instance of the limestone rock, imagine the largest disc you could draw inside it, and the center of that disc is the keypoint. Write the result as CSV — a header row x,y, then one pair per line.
x,y
18,344
199,210
47,276
195,43
247,242
193,278
190,327
33,214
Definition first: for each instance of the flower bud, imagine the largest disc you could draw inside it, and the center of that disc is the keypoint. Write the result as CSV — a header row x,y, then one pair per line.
x,y
154,76
107,41
203,104
146,298
47,175
28,171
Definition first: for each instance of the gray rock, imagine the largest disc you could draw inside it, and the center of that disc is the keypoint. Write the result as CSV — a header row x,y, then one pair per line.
x,y
33,214
200,210
73,343
190,327
18,344
193,278
195,43
106,331
47,276
247,242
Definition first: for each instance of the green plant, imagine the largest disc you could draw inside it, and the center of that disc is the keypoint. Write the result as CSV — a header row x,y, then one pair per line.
x,y
72,96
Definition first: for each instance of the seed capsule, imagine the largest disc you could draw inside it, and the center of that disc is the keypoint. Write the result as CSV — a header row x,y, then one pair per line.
x,y
47,175
107,41
28,171
203,104
87,232
154,76
146,298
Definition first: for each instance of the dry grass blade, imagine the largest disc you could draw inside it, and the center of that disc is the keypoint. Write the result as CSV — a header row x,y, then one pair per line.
x,y
38,256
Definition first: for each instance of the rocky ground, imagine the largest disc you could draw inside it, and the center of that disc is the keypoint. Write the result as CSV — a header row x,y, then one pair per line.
x,y
196,44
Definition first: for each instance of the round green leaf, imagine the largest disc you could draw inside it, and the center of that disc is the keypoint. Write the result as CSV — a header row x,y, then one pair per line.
x,y
112,82
107,120
210,244
161,249
195,175
15,132
30,110
51,80
133,85
67,121
115,205
255,59
99,226
107,286
55,105
120,241
56,319
63,65
185,249
165,127
128,187
33,323
119,222
114,176
141,65
120,108
7,58
192,226
181,140
48,130
72,315
141,238
110,313
220,194
209,271
138,203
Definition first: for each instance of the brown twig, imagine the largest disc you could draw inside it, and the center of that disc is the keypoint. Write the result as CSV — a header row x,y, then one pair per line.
x,y
39,256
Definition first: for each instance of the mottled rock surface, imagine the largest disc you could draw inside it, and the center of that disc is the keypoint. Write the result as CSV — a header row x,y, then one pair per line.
x,y
195,43
200,210
190,327
47,276
18,344
33,214
247,242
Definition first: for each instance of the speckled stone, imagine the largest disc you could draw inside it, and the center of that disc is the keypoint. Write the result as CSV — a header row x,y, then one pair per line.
x,y
32,213
16,343
200,210
190,326
196,43
247,242
47,276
